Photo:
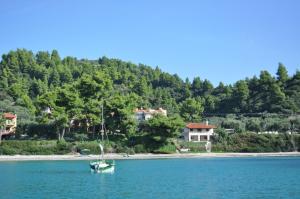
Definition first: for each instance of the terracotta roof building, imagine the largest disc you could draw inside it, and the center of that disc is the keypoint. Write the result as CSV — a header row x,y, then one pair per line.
x,y
10,123
9,116
198,132
200,126
145,114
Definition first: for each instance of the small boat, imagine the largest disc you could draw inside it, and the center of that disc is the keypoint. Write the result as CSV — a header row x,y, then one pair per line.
x,y
102,165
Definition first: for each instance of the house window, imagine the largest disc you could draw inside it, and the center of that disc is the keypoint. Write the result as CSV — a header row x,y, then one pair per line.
x,y
194,138
207,129
203,137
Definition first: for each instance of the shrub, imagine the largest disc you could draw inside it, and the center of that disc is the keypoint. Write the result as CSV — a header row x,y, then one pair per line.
x,y
167,149
92,146
28,147
63,147
139,148
252,142
7,150
193,146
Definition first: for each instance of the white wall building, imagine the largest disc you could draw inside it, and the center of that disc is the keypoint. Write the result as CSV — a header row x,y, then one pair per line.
x,y
269,132
146,114
198,132
10,123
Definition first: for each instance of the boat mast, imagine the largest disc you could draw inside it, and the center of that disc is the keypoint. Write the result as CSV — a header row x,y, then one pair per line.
x,y
102,123
101,152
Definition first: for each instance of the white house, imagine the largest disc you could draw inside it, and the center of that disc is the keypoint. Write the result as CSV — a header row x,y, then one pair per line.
x,y
10,123
145,114
269,132
198,132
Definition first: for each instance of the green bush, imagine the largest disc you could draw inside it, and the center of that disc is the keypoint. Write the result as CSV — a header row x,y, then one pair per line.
x,y
139,148
28,147
7,150
92,146
129,150
166,149
63,147
193,146
252,142
238,142
120,149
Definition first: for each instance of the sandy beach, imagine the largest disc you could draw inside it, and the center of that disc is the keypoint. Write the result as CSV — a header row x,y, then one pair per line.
x,y
142,156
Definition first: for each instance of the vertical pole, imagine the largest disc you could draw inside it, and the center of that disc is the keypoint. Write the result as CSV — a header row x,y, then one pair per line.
x,y
102,122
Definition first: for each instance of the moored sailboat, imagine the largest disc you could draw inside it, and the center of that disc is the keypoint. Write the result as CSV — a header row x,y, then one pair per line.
x,y
101,165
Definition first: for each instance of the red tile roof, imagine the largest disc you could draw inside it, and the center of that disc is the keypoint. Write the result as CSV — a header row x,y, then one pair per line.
x,y
141,110
200,126
160,110
9,116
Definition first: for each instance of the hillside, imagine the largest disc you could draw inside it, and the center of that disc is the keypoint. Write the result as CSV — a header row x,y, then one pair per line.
x,y
74,89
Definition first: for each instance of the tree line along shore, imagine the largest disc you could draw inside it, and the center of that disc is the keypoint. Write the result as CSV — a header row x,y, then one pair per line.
x,y
59,99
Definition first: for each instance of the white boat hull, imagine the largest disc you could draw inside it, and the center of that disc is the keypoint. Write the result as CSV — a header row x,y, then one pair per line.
x,y
102,166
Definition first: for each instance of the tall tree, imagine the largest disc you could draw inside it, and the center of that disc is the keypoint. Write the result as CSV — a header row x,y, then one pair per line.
x,y
55,57
240,96
43,58
197,86
207,87
282,74
160,128
192,109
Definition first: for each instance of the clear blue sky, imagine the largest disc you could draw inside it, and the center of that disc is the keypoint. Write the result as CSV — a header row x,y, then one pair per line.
x,y
217,40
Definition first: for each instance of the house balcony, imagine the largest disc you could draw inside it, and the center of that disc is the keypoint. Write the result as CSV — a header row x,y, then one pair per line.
x,y
10,123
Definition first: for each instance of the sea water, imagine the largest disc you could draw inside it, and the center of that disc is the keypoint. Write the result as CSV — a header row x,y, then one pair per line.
x,y
211,178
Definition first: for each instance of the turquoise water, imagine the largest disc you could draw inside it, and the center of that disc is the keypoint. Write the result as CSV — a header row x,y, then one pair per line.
x,y
168,178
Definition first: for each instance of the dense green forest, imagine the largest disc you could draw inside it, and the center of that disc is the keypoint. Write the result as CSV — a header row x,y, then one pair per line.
x,y
74,90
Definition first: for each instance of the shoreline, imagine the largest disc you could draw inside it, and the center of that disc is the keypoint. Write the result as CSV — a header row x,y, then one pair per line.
x,y
5,158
